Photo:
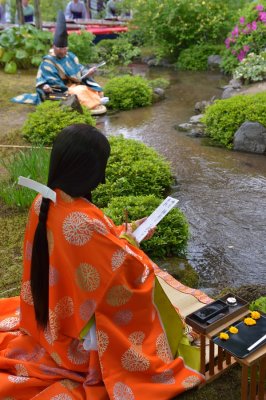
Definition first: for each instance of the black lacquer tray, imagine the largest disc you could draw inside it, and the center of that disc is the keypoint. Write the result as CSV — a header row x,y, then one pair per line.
x,y
211,310
238,343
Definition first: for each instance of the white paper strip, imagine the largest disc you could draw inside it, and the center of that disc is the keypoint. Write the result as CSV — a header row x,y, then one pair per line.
x,y
256,343
161,211
38,187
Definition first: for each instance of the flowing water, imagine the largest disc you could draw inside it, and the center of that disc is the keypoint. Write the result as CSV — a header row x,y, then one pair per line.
x,y
222,193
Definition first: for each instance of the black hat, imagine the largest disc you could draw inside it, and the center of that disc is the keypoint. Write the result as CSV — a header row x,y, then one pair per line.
x,y
60,35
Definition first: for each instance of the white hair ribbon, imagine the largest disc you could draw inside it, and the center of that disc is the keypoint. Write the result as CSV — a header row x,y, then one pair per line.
x,y
38,187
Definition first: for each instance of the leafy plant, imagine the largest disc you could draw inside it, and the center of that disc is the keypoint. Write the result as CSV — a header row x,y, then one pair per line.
x,y
128,92
117,51
171,234
82,45
195,58
49,119
23,47
252,68
133,169
159,83
224,117
32,163
258,305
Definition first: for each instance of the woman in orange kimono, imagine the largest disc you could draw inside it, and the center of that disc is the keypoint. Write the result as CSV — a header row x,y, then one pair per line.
x,y
86,325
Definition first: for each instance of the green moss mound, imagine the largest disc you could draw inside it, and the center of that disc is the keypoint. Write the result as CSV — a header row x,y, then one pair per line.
x,y
128,92
42,126
171,235
195,58
224,117
133,169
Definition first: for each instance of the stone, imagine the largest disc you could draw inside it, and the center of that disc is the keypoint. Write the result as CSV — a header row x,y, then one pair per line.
x,y
160,92
72,101
184,127
214,61
250,137
195,119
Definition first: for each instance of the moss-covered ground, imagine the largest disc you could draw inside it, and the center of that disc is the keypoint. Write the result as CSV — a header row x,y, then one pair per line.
x,y
12,225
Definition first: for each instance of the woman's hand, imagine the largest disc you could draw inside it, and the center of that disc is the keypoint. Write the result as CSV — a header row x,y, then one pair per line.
x,y
131,227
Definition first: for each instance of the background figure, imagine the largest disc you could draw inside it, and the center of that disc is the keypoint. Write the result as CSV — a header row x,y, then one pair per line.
x,y
28,12
76,10
97,7
111,9
2,14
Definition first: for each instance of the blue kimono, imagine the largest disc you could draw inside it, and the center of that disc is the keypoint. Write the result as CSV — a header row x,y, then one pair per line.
x,y
58,73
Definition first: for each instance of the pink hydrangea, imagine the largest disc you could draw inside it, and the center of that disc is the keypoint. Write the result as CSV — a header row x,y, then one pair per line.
x,y
259,7
253,25
235,31
242,20
262,16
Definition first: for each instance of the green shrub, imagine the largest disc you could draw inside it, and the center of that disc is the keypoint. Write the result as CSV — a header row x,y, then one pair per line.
x,y
171,235
224,117
252,68
195,58
49,119
128,92
118,51
133,169
258,305
32,164
81,44
23,47
159,83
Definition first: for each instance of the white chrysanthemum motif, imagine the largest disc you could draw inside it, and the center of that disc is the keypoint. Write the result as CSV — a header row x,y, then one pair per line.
x,y
103,341
17,379
118,295
47,68
62,396
99,227
64,308
123,317
87,309
134,361
9,323
166,377
69,384
162,349
50,240
53,276
117,259
28,250
21,370
76,60
37,204
136,339
77,228
131,252
87,277
109,223
76,353
26,294
56,358
123,392
191,381
65,197
52,329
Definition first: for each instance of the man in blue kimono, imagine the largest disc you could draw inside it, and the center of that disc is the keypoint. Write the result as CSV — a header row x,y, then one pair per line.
x,y
61,73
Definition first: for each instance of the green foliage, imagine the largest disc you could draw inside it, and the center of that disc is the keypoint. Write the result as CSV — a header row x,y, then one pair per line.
x,y
128,92
82,45
159,83
23,47
224,117
171,235
195,58
248,35
133,169
258,305
31,164
50,8
49,119
175,25
117,51
252,68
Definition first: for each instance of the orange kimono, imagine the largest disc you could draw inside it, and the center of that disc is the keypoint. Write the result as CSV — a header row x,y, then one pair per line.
x,y
93,274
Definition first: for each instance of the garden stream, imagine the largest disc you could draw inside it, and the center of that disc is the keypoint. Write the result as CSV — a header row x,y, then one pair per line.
x,y
222,193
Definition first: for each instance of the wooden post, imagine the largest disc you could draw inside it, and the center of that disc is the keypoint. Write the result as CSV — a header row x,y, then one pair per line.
x,y
20,12
37,14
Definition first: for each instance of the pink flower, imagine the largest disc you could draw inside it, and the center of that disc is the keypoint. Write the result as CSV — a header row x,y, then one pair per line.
x,y
246,48
242,20
253,25
259,7
241,55
262,16
235,31
227,43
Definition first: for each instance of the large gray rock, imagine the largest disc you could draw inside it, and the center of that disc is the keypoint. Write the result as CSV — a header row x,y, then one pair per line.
x,y
251,137
214,62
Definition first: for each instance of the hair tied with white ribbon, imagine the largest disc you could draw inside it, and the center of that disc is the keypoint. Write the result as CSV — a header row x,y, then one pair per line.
x,y
45,191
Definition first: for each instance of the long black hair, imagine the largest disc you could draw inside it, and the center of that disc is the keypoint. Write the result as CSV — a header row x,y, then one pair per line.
x,y
77,166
